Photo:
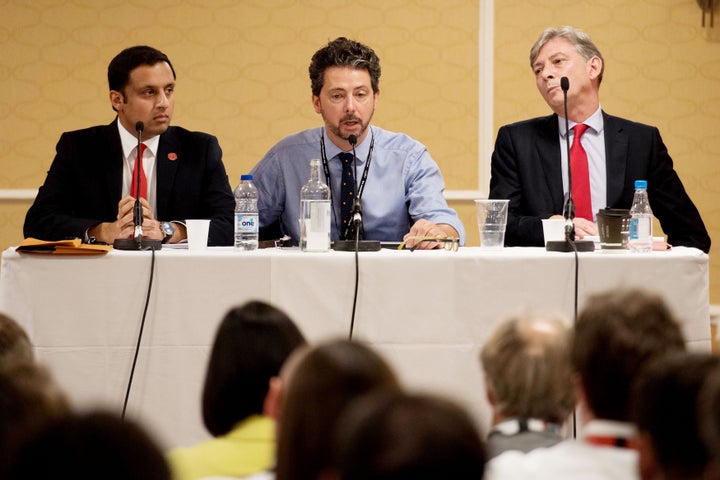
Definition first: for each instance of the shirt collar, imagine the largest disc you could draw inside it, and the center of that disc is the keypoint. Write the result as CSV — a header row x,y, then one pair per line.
x,y
609,428
594,121
129,141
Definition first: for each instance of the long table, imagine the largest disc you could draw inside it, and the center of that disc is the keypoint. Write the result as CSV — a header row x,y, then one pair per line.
x,y
427,312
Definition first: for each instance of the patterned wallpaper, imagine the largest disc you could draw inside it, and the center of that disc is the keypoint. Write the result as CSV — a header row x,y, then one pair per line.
x,y
242,75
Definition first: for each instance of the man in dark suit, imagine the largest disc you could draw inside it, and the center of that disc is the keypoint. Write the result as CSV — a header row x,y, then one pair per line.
x,y
88,192
529,164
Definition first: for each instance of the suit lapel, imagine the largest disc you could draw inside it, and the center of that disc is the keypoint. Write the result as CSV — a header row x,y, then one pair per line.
x,y
167,161
616,148
549,154
114,174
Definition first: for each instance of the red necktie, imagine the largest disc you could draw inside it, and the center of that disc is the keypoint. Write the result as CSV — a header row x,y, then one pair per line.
x,y
580,175
143,180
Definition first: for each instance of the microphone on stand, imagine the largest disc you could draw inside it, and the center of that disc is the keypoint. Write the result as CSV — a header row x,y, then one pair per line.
x,y
356,245
137,242
569,244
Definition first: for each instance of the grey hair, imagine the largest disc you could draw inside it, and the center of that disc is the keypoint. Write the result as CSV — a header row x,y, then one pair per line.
x,y
577,38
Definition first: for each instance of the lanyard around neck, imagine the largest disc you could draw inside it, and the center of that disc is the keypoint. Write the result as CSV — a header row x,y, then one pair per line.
x,y
326,169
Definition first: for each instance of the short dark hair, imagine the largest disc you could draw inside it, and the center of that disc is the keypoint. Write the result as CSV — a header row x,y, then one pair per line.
x,y
389,435
616,333
91,445
343,52
251,344
128,60
325,379
665,406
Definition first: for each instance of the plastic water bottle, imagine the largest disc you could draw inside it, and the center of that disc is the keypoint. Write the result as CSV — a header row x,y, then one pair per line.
x,y
315,212
640,238
247,222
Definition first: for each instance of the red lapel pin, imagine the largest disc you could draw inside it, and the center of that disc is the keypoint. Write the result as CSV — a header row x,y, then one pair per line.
x,y
172,156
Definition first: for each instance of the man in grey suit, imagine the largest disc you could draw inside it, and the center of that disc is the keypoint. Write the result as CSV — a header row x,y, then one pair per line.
x,y
88,190
529,164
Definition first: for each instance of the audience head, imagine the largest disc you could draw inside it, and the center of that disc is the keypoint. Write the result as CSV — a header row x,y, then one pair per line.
x,y
665,411
323,380
527,369
343,52
90,446
15,344
709,422
29,399
616,333
251,344
391,435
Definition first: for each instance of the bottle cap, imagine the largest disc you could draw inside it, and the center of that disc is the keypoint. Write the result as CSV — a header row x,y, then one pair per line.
x,y
245,177
640,184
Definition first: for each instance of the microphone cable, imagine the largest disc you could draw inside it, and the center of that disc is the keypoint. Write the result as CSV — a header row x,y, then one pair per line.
x,y
140,334
353,140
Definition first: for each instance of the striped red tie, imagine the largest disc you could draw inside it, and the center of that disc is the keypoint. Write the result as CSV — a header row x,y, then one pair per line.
x,y
580,175
143,180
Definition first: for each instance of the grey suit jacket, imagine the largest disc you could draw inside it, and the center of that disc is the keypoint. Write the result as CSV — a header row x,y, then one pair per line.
x,y
526,170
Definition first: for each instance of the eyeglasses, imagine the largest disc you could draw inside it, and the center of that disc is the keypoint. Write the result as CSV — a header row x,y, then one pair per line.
x,y
452,244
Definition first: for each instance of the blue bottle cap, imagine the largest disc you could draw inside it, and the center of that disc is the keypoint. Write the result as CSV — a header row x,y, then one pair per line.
x,y
245,177
640,184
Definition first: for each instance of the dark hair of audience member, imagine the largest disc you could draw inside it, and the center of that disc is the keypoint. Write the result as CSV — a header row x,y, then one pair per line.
x,y
323,382
665,411
90,446
709,422
29,399
400,436
15,345
615,334
251,344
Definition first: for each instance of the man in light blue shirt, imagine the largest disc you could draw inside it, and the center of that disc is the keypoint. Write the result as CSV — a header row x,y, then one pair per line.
x,y
399,184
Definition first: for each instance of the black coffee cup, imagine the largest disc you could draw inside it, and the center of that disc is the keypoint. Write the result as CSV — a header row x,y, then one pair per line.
x,y
613,228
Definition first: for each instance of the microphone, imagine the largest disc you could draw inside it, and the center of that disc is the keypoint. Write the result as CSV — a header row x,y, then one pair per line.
x,y
137,209
137,242
569,244
356,245
569,210
357,207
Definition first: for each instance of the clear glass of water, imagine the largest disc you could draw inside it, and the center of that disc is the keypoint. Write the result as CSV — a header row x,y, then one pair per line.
x,y
492,220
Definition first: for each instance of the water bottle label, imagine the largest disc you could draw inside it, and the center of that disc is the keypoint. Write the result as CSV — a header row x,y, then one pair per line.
x,y
247,223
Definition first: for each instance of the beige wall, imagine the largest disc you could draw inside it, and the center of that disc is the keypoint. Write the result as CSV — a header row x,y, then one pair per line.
x,y
242,75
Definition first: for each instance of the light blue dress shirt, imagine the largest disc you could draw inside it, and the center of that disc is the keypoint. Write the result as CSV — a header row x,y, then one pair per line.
x,y
404,184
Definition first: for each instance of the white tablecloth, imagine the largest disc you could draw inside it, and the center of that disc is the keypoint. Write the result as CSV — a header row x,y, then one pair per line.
x,y
427,312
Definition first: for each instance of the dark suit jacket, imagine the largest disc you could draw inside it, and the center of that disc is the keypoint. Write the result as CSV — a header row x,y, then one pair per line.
x,y
84,184
526,170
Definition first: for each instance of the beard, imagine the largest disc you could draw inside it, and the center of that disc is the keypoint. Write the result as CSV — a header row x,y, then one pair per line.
x,y
336,129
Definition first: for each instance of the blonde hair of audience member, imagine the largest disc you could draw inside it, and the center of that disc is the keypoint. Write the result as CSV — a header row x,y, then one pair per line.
x,y
391,435
320,383
29,399
667,416
15,344
616,333
89,446
709,422
527,369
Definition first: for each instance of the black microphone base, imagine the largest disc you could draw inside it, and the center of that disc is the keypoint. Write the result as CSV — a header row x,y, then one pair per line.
x,y
566,246
349,245
132,244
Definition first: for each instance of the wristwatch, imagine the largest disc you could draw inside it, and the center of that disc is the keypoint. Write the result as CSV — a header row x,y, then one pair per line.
x,y
168,229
